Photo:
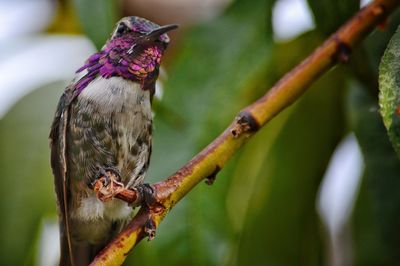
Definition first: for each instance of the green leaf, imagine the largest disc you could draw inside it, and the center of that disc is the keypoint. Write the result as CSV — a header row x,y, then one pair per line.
x,y
26,191
368,249
389,86
329,15
377,235
97,19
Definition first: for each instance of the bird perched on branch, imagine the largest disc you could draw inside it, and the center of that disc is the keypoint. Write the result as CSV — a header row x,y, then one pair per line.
x,y
103,129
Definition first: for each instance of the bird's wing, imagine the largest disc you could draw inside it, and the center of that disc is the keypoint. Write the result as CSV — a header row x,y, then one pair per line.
x,y
59,166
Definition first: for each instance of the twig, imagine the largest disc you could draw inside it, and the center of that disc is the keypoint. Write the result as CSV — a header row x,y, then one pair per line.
x,y
208,162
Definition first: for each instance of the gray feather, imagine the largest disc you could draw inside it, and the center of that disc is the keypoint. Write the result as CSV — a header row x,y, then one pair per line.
x,y
108,125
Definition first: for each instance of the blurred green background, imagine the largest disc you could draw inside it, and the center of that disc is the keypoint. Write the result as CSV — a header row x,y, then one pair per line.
x,y
267,206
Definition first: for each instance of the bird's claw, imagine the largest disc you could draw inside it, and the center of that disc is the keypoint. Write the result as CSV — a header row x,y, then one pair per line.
x,y
107,185
146,195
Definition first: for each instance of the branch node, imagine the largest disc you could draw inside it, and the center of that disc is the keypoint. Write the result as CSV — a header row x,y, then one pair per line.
x,y
343,51
245,122
211,178
150,229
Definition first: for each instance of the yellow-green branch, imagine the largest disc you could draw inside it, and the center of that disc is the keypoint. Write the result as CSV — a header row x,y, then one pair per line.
x,y
208,162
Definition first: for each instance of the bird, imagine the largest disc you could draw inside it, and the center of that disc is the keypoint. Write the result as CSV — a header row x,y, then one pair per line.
x,y
103,128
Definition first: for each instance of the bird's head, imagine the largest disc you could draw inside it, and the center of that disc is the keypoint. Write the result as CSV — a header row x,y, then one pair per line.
x,y
142,31
135,48
133,52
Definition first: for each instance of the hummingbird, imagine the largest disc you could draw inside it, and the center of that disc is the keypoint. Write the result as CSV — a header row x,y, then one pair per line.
x,y
103,127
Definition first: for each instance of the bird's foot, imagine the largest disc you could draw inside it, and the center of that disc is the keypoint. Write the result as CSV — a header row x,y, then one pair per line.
x,y
145,195
107,185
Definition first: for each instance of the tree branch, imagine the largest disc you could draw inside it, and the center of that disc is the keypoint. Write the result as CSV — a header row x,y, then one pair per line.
x,y
336,49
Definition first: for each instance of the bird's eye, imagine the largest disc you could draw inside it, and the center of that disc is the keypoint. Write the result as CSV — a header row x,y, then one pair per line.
x,y
122,28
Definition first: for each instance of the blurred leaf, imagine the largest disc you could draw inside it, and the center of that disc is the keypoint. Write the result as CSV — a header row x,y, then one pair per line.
x,y
389,86
27,184
65,19
377,41
367,247
380,185
329,15
97,19
285,164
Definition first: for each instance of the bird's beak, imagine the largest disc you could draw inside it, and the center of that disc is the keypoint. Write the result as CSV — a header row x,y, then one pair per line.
x,y
155,34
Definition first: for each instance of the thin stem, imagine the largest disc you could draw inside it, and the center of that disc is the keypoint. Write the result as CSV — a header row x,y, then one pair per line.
x,y
336,49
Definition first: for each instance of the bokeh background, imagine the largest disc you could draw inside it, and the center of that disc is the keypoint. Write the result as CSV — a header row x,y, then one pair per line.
x,y
317,186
